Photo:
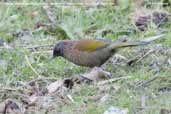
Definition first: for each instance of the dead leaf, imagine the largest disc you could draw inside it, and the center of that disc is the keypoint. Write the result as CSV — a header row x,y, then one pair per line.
x,y
138,3
53,87
118,59
2,107
142,18
11,106
34,13
165,111
159,17
97,74
33,99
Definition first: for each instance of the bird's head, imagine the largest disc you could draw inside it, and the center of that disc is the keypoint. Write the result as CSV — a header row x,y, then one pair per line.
x,y
59,49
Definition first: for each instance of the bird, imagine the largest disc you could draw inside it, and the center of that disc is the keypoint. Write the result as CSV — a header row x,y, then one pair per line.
x,y
90,52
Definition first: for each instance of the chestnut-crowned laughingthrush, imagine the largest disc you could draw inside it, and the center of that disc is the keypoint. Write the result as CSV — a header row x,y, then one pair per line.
x,y
89,52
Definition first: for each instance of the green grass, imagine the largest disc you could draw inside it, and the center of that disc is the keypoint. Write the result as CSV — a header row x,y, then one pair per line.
x,y
78,22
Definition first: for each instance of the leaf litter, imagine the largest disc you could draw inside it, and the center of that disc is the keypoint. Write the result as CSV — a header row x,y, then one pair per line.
x,y
48,96
45,96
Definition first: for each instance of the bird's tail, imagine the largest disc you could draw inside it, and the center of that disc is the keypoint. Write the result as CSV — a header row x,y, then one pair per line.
x,y
117,45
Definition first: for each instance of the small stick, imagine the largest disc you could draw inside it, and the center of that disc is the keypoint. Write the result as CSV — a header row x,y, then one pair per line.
x,y
161,21
149,52
42,78
147,82
139,57
38,46
8,89
39,52
112,80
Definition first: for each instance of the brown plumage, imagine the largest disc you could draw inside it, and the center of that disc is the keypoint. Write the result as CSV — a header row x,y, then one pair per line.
x,y
89,52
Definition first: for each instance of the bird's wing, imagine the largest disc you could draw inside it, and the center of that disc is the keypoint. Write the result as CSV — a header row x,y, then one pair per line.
x,y
90,45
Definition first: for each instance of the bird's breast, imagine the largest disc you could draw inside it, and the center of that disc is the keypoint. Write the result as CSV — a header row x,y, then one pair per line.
x,y
88,59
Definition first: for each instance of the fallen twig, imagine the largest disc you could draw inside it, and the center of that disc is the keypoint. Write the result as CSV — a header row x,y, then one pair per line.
x,y
38,46
113,79
139,57
40,52
8,89
145,83
42,78
146,54
95,75
10,104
